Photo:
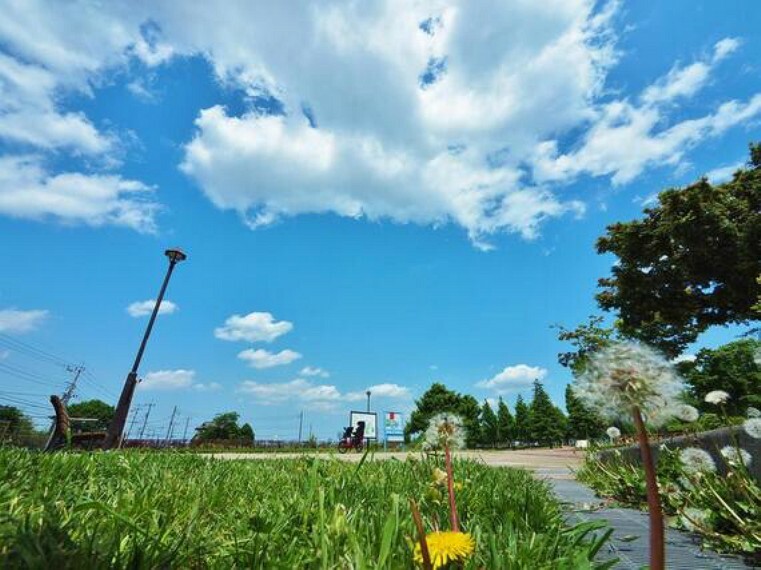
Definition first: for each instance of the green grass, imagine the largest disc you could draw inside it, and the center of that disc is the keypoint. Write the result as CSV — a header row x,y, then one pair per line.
x,y
169,510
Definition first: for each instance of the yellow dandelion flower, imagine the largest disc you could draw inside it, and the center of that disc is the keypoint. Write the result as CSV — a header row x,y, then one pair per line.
x,y
445,547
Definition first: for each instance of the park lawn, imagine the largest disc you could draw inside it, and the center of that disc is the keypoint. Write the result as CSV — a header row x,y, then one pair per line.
x,y
173,510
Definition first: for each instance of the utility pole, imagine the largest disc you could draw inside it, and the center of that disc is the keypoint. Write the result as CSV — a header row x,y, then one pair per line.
x,y
185,433
68,393
115,430
301,423
145,420
132,423
171,426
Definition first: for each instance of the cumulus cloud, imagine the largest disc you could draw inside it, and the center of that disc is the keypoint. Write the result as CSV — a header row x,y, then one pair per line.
x,y
321,396
29,191
385,390
513,378
18,321
314,371
145,308
168,379
261,358
210,387
253,327
435,113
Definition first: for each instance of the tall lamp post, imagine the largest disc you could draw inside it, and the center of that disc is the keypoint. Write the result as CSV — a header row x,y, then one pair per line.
x,y
369,393
115,430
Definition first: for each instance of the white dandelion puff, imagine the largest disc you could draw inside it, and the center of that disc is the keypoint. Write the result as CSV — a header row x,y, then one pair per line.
x,y
627,375
752,412
686,413
696,460
753,427
445,430
716,397
613,432
693,519
736,455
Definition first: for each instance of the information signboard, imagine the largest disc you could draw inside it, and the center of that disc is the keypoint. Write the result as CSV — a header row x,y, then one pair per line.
x,y
371,423
393,426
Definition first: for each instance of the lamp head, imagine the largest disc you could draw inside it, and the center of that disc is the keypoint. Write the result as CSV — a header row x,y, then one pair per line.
x,y
175,255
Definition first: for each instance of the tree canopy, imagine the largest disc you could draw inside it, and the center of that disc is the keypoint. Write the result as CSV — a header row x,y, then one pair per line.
x,y
522,429
732,368
439,399
583,423
505,423
224,427
489,425
546,422
690,263
98,410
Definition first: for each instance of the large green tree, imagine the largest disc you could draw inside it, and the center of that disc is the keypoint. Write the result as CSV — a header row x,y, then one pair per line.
x,y
505,423
439,399
546,421
15,426
96,410
690,263
585,339
522,429
224,427
489,425
583,423
732,368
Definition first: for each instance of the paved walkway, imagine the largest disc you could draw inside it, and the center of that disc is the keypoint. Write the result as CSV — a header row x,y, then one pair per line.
x,y
629,542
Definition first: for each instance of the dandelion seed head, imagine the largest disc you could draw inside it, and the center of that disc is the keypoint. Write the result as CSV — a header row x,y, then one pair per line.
x,y
752,412
716,397
736,455
613,432
753,427
445,430
626,375
686,413
696,461
693,518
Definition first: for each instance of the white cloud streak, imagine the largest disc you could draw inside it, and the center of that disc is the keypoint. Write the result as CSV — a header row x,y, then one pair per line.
x,y
19,321
512,378
261,358
145,308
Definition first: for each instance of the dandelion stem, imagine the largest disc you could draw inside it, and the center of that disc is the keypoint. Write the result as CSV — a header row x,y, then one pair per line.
x,y
657,549
453,519
421,533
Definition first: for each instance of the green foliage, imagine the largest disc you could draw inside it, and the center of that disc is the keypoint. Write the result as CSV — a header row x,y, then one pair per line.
x,y
439,399
505,424
690,263
729,504
583,423
489,425
91,409
586,338
169,510
15,427
224,427
546,421
731,368
522,427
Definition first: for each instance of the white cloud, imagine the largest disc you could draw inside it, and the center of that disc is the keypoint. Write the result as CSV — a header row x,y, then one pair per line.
x,y
210,387
28,191
18,321
261,358
685,358
454,122
513,378
325,397
168,379
723,173
314,371
385,390
253,327
145,308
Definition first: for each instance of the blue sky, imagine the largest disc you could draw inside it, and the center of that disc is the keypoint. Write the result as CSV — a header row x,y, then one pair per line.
x,y
366,202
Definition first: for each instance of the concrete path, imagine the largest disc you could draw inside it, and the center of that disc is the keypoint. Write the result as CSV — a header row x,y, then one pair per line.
x,y
629,542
